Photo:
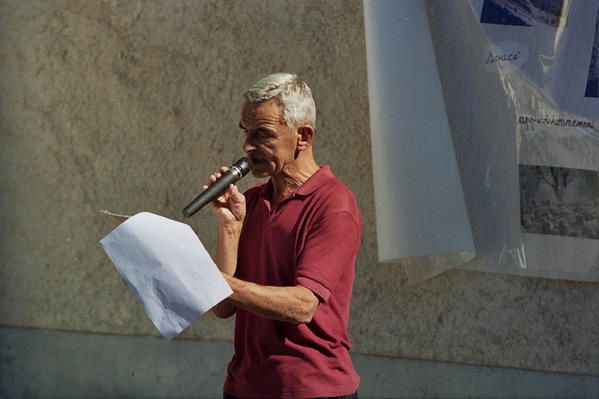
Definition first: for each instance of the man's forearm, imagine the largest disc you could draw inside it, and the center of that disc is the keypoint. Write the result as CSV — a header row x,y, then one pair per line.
x,y
226,260
226,248
224,309
295,304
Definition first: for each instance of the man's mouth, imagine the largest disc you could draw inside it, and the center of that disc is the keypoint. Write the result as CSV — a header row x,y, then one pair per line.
x,y
257,160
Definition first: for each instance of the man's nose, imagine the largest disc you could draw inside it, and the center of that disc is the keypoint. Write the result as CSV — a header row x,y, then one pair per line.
x,y
248,146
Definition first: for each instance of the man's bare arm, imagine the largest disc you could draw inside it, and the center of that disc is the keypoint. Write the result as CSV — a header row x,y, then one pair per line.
x,y
226,260
230,211
295,304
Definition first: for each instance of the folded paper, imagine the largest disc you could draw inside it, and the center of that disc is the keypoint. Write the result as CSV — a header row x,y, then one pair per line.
x,y
167,268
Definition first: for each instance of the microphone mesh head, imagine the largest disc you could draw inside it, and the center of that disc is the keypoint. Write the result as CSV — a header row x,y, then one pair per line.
x,y
244,164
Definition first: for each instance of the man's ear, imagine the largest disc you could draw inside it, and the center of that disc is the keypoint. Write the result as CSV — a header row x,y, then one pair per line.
x,y
305,135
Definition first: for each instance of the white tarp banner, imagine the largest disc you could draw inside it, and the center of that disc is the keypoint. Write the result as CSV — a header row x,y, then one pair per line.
x,y
520,89
420,211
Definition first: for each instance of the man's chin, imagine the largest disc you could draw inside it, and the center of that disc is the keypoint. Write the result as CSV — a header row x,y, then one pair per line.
x,y
260,174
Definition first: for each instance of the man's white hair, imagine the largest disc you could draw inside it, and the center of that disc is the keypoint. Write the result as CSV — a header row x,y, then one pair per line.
x,y
292,93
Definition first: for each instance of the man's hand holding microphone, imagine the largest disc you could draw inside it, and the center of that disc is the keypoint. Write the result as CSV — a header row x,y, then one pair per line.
x,y
228,204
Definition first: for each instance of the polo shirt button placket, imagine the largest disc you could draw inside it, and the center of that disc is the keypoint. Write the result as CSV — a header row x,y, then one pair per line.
x,y
279,208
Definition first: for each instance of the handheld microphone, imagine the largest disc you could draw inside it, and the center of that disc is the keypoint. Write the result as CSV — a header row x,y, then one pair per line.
x,y
239,169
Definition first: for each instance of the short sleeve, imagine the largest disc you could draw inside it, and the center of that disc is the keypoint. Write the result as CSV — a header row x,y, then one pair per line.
x,y
329,252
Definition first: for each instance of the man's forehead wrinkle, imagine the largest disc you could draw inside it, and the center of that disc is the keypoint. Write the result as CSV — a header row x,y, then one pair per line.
x,y
259,117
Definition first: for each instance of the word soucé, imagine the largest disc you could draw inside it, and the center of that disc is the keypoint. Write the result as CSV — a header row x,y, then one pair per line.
x,y
502,57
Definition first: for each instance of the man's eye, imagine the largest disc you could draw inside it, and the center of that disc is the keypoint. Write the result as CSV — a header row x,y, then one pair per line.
x,y
263,134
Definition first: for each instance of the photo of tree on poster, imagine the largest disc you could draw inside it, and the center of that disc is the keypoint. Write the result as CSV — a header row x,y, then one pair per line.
x,y
559,201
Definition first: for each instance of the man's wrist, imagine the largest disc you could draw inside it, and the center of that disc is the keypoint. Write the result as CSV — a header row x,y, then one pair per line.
x,y
230,229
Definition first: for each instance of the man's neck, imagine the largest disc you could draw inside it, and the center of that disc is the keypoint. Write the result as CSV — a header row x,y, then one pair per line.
x,y
292,178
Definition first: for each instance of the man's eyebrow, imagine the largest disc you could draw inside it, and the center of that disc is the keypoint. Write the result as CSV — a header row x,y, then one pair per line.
x,y
241,126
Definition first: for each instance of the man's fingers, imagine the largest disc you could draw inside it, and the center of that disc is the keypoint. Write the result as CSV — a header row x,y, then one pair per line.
x,y
217,175
222,199
235,195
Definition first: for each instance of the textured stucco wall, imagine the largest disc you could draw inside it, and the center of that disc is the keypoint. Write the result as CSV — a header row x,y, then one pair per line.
x,y
128,105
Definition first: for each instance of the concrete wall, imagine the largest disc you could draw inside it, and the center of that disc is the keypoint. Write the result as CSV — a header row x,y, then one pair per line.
x,y
129,105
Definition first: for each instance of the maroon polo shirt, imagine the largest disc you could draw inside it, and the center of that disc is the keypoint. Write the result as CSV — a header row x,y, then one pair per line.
x,y
311,238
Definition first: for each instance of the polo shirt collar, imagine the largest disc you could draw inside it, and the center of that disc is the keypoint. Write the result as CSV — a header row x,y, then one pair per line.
x,y
319,178
316,180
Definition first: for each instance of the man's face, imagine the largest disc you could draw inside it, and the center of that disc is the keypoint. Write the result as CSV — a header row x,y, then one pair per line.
x,y
268,140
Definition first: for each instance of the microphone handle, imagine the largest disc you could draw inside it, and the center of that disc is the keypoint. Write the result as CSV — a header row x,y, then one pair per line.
x,y
213,191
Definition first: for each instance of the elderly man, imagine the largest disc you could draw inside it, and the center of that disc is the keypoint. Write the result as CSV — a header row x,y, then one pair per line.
x,y
287,248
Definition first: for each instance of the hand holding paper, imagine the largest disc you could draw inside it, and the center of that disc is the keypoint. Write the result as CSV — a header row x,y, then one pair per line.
x,y
168,269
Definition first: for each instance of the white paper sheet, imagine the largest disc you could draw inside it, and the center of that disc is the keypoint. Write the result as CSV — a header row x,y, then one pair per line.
x,y
167,268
